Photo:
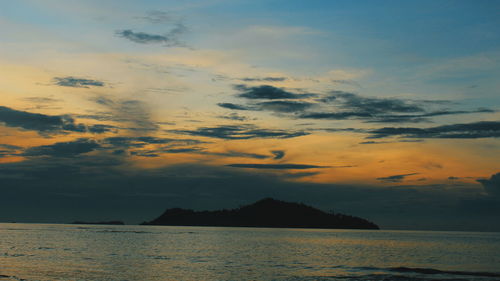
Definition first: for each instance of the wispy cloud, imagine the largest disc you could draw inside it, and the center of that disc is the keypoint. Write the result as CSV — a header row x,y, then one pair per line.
x,y
263,79
131,111
396,178
169,39
77,82
245,131
277,166
484,129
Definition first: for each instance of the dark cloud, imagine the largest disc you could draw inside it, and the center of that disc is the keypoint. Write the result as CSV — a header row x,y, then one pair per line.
x,y
417,118
277,166
233,106
374,142
169,39
299,175
76,82
46,124
142,37
267,92
33,121
382,142
10,146
340,105
263,79
375,105
381,110
100,128
278,154
484,129
396,178
492,185
63,149
199,151
234,116
336,115
138,142
236,154
284,106
8,150
239,132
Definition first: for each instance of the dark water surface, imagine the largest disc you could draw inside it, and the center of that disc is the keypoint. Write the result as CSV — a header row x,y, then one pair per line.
x,y
97,252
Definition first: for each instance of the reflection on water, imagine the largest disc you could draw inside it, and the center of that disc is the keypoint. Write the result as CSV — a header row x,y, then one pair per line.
x,y
71,252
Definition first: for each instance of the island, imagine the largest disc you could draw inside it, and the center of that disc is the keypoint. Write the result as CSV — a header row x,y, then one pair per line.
x,y
100,222
267,212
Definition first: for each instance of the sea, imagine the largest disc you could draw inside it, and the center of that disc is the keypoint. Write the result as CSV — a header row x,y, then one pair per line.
x,y
113,252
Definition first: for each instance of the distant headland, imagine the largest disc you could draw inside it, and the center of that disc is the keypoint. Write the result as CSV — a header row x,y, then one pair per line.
x,y
264,213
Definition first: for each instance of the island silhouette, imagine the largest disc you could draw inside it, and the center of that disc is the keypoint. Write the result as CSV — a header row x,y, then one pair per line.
x,y
267,212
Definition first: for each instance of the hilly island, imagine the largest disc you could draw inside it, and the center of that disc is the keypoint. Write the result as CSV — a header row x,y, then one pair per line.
x,y
264,213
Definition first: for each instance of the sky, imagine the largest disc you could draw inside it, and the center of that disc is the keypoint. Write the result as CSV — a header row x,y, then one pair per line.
x,y
117,110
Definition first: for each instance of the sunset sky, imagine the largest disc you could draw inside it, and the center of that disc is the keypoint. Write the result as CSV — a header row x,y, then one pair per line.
x,y
387,110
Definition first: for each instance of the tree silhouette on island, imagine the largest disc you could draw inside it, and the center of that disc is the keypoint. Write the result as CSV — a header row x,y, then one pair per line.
x,y
267,212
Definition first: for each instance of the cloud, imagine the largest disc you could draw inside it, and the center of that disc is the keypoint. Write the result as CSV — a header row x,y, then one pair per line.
x,y
374,142
63,149
233,106
234,116
267,92
126,111
353,106
75,82
138,142
199,151
381,110
417,118
278,154
396,178
284,106
34,121
277,166
142,37
236,154
10,146
46,124
8,150
335,115
375,105
492,185
240,132
169,39
263,79
341,105
100,128
483,129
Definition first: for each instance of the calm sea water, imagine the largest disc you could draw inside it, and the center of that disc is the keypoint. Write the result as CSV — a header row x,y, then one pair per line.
x,y
92,252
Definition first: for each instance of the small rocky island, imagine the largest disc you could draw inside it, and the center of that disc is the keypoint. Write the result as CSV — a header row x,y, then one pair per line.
x,y
264,213
100,222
